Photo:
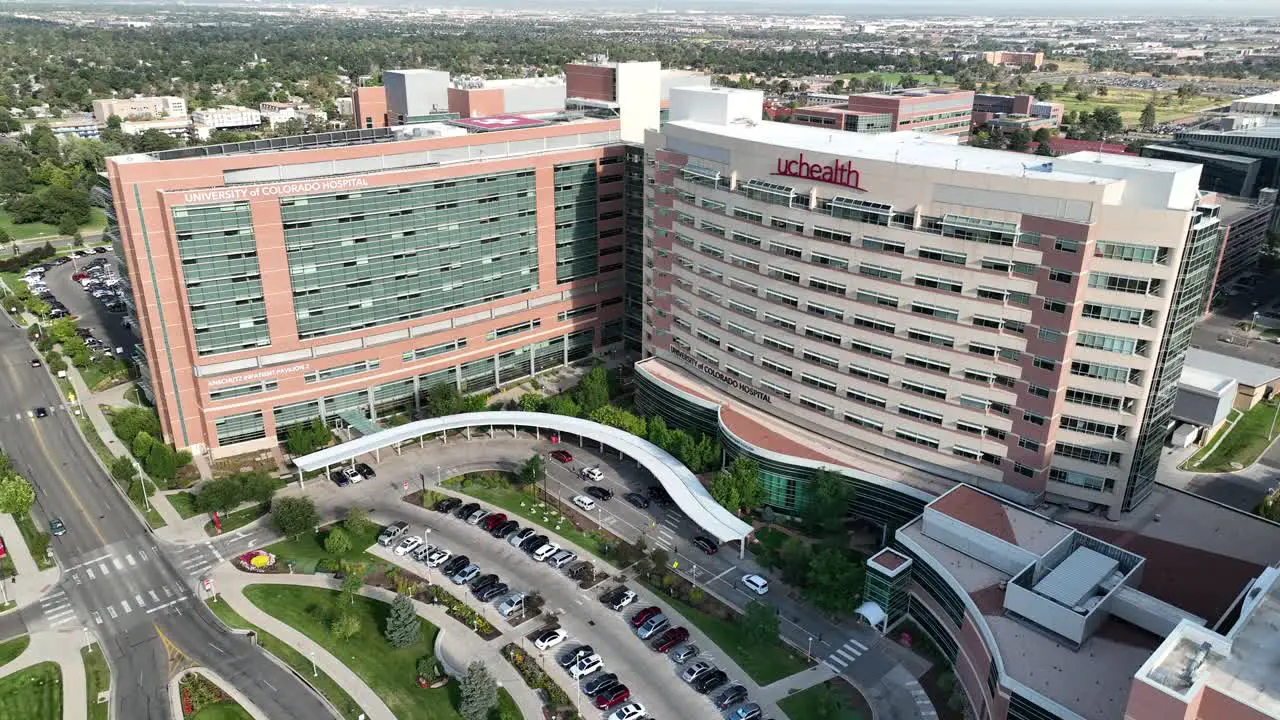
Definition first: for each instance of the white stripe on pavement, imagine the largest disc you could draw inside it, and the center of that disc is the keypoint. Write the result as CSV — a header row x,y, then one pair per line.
x,y
833,668
130,560
111,610
167,593
97,618
102,567
142,555
62,621
162,607
89,572
154,596
138,598
841,652
116,561
124,605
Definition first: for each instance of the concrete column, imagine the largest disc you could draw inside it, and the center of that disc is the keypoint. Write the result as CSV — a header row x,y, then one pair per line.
x,y
373,410
457,376
417,400
497,380
301,486
564,359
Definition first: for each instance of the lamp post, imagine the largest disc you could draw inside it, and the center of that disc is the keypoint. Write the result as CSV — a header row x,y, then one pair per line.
x,y
809,652
1253,322
314,672
437,475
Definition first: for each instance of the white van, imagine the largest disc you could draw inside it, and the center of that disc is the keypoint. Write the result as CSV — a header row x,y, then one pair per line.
x,y
584,502
756,584
545,551
562,558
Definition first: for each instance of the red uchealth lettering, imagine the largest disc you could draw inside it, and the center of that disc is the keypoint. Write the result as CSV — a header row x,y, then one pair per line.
x,y
834,173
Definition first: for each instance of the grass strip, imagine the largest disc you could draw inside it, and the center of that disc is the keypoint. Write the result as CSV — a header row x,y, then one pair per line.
x,y
37,541
237,519
97,679
11,649
184,503
104,454
34,693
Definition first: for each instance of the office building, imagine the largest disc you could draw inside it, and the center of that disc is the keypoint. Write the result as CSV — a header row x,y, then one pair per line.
x,y
1245,224
930,110
1014,59
965,315
415,96
477,97
344,106
369,107
226,117
1015,112
1241,156
601,88
140,108
72,125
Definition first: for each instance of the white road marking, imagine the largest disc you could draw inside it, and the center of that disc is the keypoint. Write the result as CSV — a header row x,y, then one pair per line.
x,y
102,567
193,560
90,562
198,570
166,590
62,621
837,660
162,607
130,560
727,570
850,656
142,555
76,577
111,610
64,612
97,618
833,668
116,561
138,598
154,596
124,605
89,572
857,644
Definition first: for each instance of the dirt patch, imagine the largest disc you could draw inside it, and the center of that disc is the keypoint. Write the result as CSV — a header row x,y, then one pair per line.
x,y
262,461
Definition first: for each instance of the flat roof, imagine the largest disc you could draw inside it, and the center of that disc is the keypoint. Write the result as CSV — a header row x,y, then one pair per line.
x,y
1245,372
497,122
1204,380
1013,524
1202,154
1271,97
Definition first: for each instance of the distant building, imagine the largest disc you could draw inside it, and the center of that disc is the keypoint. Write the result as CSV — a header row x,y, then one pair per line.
x,y
1016,59
1240,157
369,107
177,127
1268,104
821,99
477,97
1255,381
274,113
224,117
600,87
1245,225
1015,111
344,106
79,125
140,108
932,110
415,96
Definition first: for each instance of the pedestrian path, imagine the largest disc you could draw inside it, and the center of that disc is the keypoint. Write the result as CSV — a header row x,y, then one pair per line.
x,y
128,591
31,582
62,647
802,680
844,655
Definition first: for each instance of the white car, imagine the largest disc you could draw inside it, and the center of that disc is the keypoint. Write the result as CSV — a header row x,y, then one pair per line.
x,y
550,639
408,545
586,666
350,474
755,584
584,502
696,670
438,558
592,474
512,603
623,600
630,711
423,552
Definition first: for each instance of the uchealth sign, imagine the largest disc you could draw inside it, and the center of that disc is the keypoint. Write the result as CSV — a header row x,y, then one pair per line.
x,y
249,192
834,172
722,377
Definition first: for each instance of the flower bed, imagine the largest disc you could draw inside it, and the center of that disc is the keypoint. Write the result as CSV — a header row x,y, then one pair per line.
x,y
257,561
559,705
463,613
197,692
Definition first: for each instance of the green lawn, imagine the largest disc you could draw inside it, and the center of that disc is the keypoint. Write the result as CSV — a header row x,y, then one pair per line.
x,y
301,665
522,504
237,519
1129,102
98,379
98,679
926,79
823,702
26,231
227,710
308,550
11,649
764,665
184,503
1242,444
32,694
100,449
389,671
37,540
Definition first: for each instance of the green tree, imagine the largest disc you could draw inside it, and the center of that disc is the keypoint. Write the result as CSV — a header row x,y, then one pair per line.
x,y
67,225
619,418
532,470
759,623
1044,149
531,402
795,557
563,405
345,625
154,141
1147,120
162,462
479,692
478,402
404,627
1019,140
442,400
219,495
738,486
298,439
352,581
357,522
142,444
834,581
592,391
1043,92
257,486
123,471
294,516
337,542
830,494
1041,135
658,432
16,494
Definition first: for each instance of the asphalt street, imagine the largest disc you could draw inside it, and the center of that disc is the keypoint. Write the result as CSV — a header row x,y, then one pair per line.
x,y
116,582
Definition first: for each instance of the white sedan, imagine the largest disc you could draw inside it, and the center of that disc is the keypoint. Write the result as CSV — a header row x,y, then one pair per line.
x,y
408,544
550,639
630,711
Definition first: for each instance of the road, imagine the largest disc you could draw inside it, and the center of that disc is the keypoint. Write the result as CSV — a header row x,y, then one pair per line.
x,y
117,583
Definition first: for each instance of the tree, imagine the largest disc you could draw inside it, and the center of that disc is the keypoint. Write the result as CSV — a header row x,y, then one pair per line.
x,y
352,581
256,486
1044,149
658,433
1147,120
404,627
154,141
142,443
358,522
759,623
337,542
563,405
1019,140
834,581
533,469
619,418
795,557
294,516
531,402
479,692
298,439
218,495
829,497
123,471
162,462
67,224
593,390
738,486
16,494
345,625
1041,135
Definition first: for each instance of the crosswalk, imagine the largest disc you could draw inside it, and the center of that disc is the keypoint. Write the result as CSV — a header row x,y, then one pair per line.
x,y
30,415
844,656
668,529
119,573
57,608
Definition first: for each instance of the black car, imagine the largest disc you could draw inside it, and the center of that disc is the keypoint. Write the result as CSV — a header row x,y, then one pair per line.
x,y
711,681
483,582
705,544
732,696
100,250
35,362
455,565
599,493
612,596
62,260
600,683
365,471
568,659
42,412
533,542
339,479
637,499
447,504
504,530
465,511
659,494
492,592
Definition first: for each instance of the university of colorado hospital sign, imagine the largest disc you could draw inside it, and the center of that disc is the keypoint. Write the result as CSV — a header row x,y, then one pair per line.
x,y
834,172
249,192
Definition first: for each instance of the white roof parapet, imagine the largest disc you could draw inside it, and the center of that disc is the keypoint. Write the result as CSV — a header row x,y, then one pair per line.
x,y
679,482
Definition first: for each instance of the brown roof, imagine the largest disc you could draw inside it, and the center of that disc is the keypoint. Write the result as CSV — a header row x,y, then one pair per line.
x,y
977,510
761,436
888,559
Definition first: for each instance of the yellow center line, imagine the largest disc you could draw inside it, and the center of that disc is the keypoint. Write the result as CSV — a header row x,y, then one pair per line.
x,y
63,479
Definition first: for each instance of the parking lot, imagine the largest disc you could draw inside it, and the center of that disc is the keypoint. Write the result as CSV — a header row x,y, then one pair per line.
x,y
97,315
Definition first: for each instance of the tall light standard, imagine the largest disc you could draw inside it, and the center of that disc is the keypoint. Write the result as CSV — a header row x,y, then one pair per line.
x,y
314,672
1253,322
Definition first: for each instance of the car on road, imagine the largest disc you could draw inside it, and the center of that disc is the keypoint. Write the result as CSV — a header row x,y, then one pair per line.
x,y
392,532
625,598
705,544
592,474
584,502
455,565
750,711
630,711
408,545
697,670
505,529
495,590
484,581
637,499
755,584
573,656
548,639
465,575
598,683
42,412
447,504
683,654
465,511
586,666
613,697
476,516
669,639
57,527
35,362
514,602
711,681
339,479
643,616
599,493
438,557
518,539
731,696
653,626
563,456
365,471
351,474
492,521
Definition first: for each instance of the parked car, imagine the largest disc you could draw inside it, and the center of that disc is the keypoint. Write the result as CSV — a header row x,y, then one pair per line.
x,y
533,543
339,479
643,616
423,552
684,653
613,697
584,502
517,540
351,474
653,626
550,638
438,557
392,532
750,711
731,696
669,639
484,581
448,504
630,711
545,551
755,584
408,544
455,565
465,511
711,681
365,471
637,499
466,574
562,558
695,671
563,456
598,683
591,474
599,493
580,570
476,516
705,544
491,592
622,600
492,521
586,666
573,656
514,602
505,529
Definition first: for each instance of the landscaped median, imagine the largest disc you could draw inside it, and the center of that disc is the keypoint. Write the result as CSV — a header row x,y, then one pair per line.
x,y
98,682
34,693
832,700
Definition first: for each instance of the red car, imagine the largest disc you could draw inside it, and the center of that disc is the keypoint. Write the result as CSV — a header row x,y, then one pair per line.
x,y
562,456
79,276
670,639
492,521
3,550
610,698
639,618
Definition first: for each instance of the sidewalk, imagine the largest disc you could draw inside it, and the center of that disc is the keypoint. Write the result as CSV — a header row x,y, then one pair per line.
x,y
62,647
802,680
31,583
455,645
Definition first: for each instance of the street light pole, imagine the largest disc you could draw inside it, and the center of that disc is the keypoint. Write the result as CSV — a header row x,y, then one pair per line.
x,y
314,673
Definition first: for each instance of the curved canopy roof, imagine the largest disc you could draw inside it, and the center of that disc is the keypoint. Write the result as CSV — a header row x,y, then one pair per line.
x,y
678,480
